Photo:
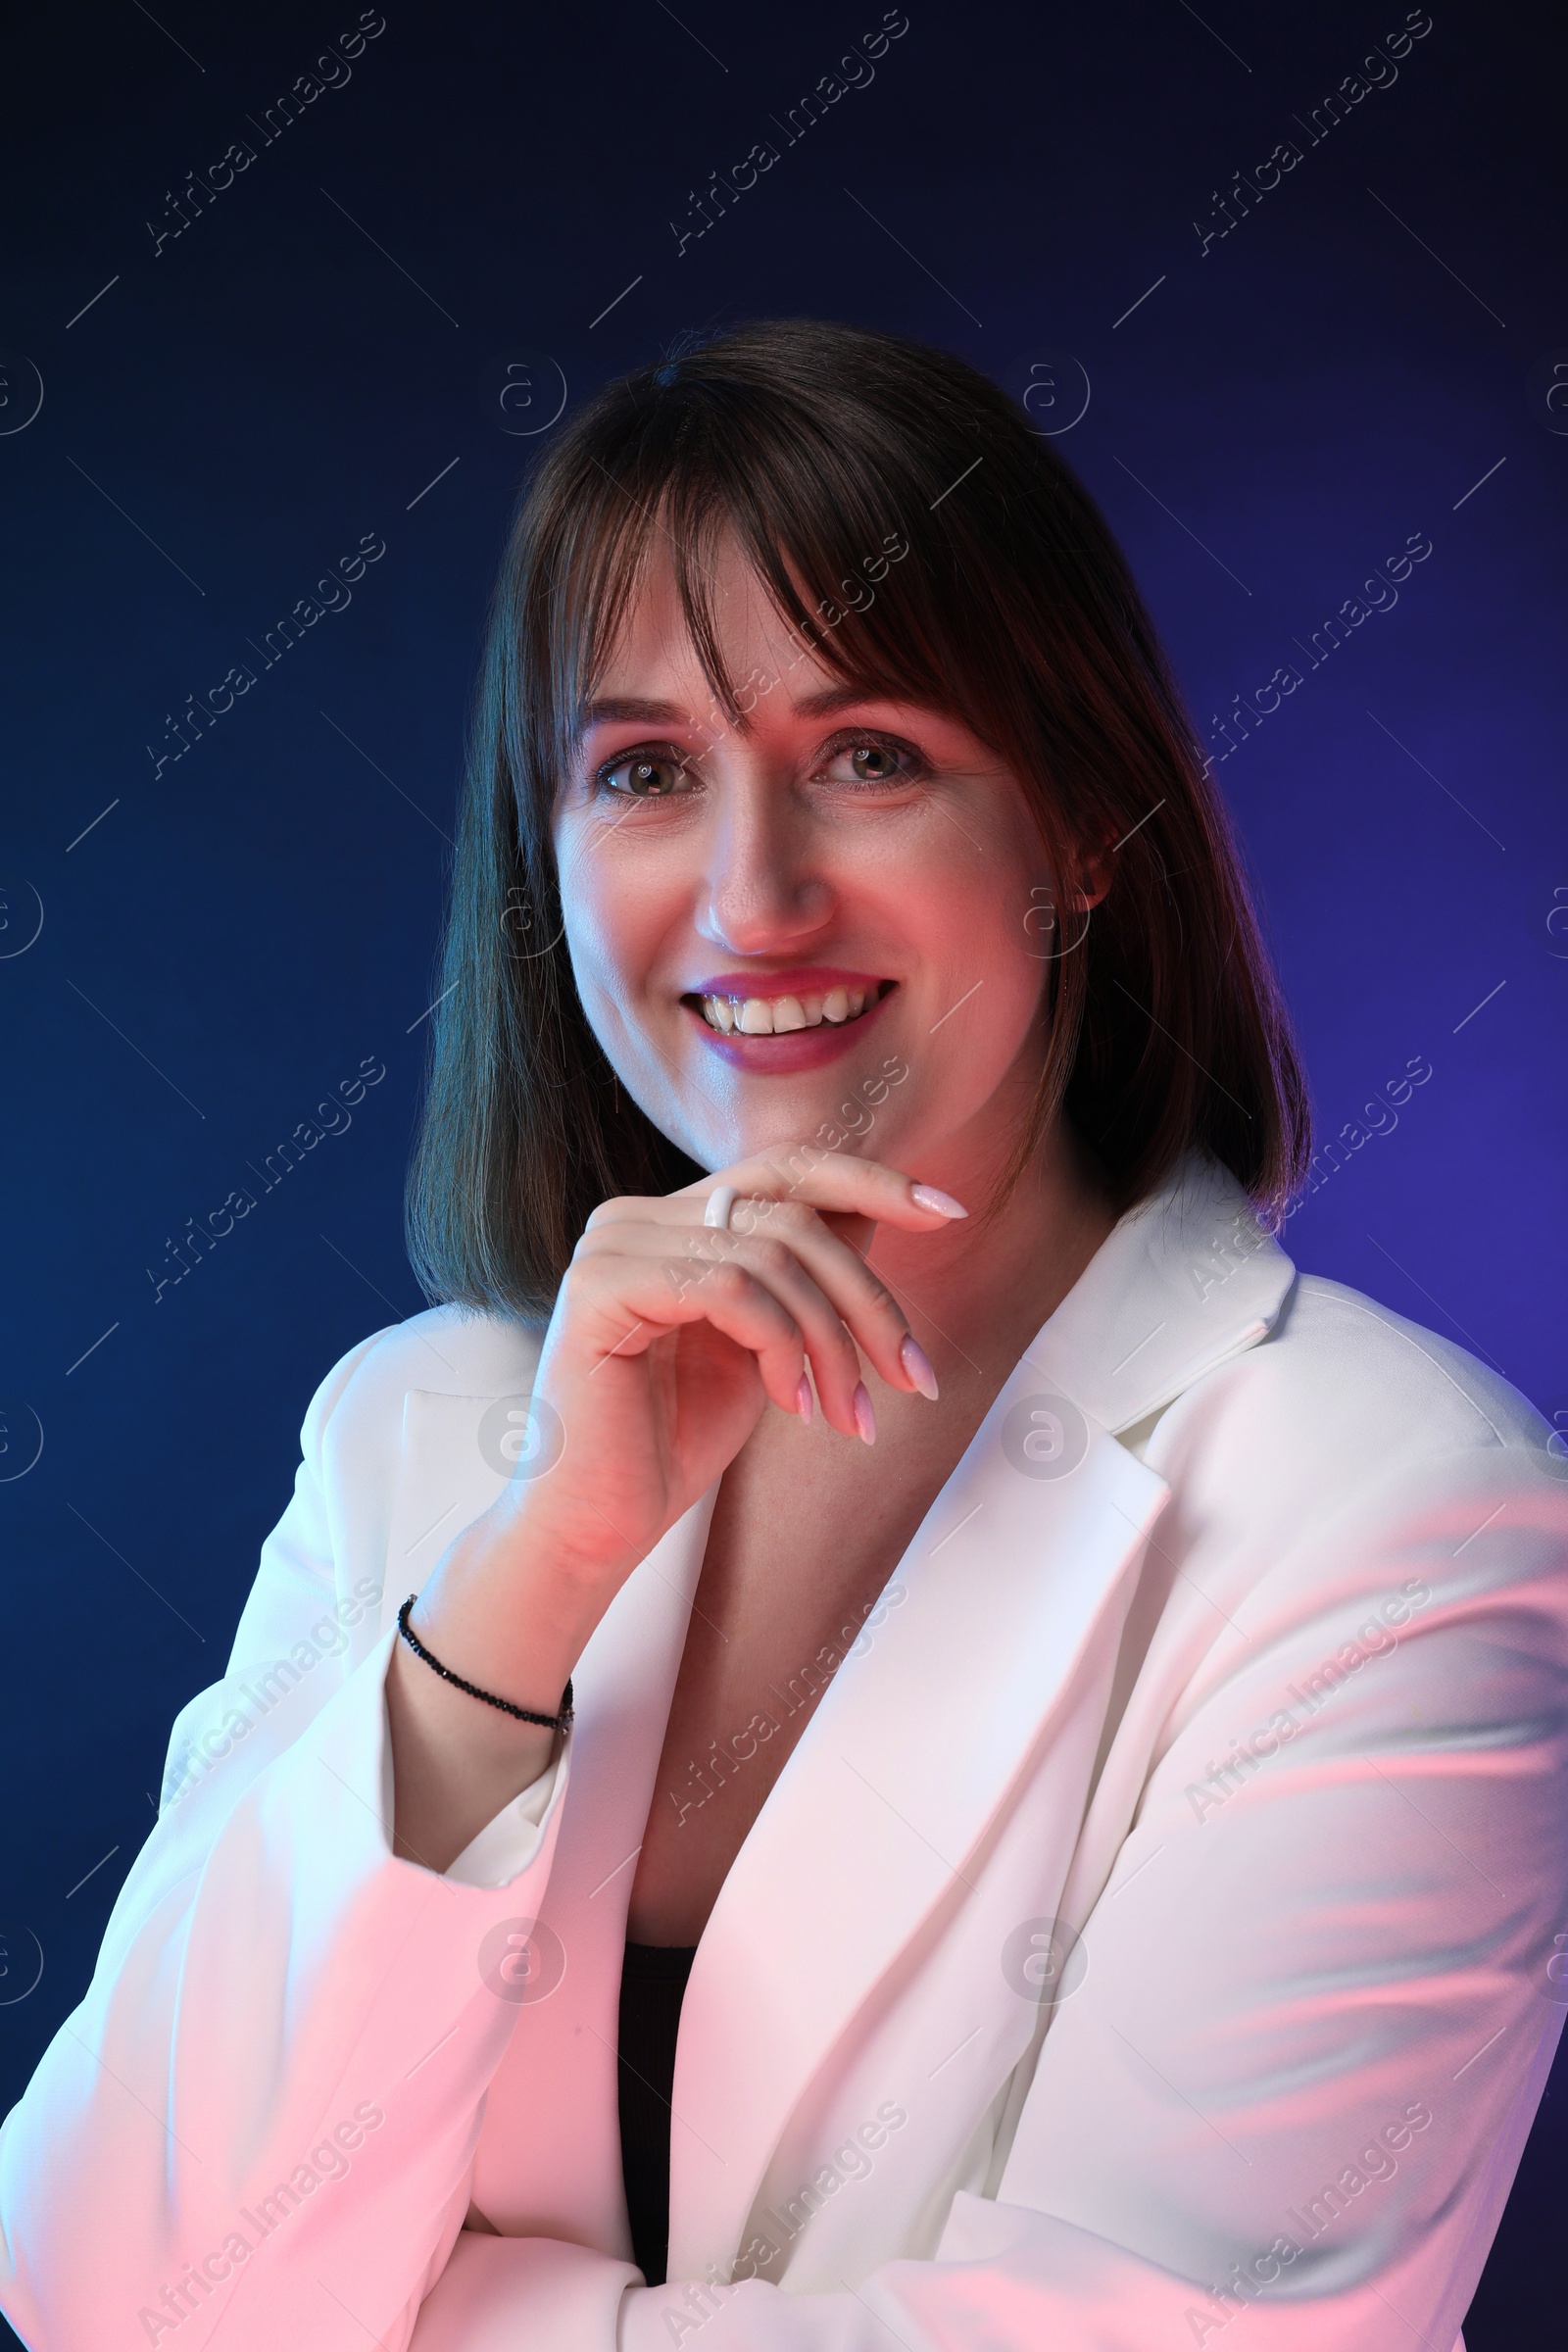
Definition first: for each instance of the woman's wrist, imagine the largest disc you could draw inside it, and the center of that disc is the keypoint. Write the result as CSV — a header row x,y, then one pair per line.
x,y
500,1614
455,1763
558,1722
506,1612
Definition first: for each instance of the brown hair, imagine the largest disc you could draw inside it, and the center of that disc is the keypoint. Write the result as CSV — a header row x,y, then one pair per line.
x,y
823,448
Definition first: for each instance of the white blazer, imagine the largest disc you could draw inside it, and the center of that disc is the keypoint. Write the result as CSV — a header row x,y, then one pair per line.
x,y
1152,1934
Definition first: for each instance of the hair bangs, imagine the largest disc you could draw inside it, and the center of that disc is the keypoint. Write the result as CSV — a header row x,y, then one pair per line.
x,y
825,523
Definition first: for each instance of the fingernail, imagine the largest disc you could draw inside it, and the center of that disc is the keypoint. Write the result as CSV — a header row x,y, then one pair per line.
x,y
802,1398
918,1366
927,1196
864,1417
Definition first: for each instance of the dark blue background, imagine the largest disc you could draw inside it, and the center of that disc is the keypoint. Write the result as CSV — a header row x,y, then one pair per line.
x,y
229,941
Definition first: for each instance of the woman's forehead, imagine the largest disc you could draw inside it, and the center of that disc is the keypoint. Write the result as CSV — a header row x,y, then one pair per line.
x,y
684,622
652,630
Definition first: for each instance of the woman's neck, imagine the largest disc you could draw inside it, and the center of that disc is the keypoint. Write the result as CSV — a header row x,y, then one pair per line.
x,y
987,1284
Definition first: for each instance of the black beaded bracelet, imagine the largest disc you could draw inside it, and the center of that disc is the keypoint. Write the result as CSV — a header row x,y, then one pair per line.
x,y
550,1723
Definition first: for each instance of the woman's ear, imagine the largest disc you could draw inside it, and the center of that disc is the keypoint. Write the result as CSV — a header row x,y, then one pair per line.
x,y
1095,872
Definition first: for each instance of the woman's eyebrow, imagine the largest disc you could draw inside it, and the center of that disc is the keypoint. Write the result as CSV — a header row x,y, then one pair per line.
x,y
843,697
638,711
620,707
835,698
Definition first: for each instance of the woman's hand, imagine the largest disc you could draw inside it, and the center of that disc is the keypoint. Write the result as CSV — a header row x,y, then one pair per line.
x,y
668,1336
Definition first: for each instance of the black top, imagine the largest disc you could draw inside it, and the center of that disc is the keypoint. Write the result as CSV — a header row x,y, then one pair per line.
x,y
652,1985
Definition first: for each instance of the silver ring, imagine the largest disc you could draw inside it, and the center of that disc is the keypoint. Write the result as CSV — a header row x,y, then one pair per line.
x,y
720,1201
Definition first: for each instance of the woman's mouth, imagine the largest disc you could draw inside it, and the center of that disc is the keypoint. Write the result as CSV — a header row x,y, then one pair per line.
x,y
773,1029
776,1016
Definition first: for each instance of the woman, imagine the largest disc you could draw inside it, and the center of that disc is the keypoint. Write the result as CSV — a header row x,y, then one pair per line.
x,y
892,1547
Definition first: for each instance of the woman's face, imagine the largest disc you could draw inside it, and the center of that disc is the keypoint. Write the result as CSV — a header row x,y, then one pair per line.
x,y
826,922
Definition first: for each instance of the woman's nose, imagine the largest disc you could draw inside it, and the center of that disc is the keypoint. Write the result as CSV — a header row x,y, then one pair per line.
x,y
763,891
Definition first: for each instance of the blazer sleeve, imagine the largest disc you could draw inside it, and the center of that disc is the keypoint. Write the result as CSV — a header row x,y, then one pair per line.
x,y
279,2003
1322,1988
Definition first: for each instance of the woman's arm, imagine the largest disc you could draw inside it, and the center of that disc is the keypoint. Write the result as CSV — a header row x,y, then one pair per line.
x,y
276,2074
666,1340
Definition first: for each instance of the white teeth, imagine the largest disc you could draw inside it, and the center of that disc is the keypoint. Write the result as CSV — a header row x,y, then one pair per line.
x,y
772,1016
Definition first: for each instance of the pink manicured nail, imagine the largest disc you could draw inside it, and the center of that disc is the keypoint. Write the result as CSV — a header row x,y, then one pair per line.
x,y
865,1416
802,1398
918,1366
927,1196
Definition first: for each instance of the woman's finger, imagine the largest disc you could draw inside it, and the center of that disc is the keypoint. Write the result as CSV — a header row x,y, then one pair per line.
x,y
839,1307
834,1180
619,1306
835,1263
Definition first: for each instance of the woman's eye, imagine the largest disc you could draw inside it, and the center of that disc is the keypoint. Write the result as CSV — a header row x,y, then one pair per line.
x,y
642,775
872,764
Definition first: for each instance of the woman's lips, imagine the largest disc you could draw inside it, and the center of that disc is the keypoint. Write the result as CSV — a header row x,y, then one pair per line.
x,y
804,1047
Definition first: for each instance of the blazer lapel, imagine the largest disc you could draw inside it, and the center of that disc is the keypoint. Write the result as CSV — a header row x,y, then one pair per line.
x,y
1035,1536
1188,1279
906,1760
